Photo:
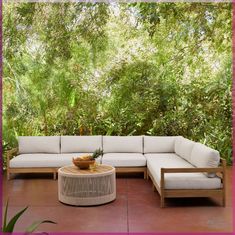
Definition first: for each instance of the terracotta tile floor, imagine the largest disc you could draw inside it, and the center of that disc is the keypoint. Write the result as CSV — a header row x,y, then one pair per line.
x,y
136,209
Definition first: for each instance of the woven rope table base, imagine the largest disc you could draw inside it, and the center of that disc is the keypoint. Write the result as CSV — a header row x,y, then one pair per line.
x,y
86,187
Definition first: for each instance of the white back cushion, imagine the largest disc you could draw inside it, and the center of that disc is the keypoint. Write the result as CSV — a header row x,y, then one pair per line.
x,y
184,147
159,144
123,144
203,156
177,144
39,144
80,144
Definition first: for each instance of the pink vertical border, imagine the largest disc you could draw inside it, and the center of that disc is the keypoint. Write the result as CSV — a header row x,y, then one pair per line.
x,y
233,109
233,135
1,157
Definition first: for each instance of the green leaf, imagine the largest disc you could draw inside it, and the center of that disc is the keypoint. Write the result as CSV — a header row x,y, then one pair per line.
x,y
5,216
10,226
35,224
72,99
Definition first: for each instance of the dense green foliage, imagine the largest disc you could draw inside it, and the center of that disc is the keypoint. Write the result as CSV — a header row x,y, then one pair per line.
x,y
118,69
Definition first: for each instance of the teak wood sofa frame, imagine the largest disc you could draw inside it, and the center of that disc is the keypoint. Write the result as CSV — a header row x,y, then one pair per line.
x,y
164,193
171,193
54,170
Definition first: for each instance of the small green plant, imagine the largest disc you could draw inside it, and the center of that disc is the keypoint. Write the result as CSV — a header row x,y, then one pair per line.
x,y
97,153
9,227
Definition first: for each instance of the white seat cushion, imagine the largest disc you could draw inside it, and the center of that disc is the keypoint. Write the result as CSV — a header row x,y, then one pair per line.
x,y
178,180
124,159
159,144
80,144
184,147
203,156
123,144
39,144
44,160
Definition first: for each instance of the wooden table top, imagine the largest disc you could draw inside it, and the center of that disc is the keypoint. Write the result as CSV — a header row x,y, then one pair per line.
x,y
74,170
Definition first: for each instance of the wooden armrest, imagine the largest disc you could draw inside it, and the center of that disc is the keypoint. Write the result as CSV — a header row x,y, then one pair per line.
x,y
10,153
191,170
223,162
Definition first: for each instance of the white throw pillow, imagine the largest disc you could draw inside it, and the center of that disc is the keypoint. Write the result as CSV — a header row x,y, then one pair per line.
x,y
80,144
203,156
39,144
123,144
159,144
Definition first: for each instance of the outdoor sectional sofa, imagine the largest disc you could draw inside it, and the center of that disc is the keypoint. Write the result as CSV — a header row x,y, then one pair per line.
x,y
178,167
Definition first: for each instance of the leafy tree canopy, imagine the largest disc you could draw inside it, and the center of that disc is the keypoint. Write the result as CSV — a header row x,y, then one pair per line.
x,y
118,69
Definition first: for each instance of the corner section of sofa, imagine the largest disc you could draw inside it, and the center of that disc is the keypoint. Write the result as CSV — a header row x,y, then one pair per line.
x,y
189,169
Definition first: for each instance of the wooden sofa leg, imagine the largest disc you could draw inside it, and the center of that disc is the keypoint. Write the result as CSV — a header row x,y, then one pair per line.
x,y
8,175
153,187
54,175
162,202
224,181
224,198
224,202
145,175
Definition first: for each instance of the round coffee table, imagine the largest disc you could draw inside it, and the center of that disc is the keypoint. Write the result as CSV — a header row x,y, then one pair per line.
x,y
86,187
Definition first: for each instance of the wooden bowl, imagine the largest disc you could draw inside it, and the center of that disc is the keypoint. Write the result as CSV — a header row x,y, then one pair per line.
x,y
83,164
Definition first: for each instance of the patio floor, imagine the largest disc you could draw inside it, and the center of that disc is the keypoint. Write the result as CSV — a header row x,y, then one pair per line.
x,y
136,209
